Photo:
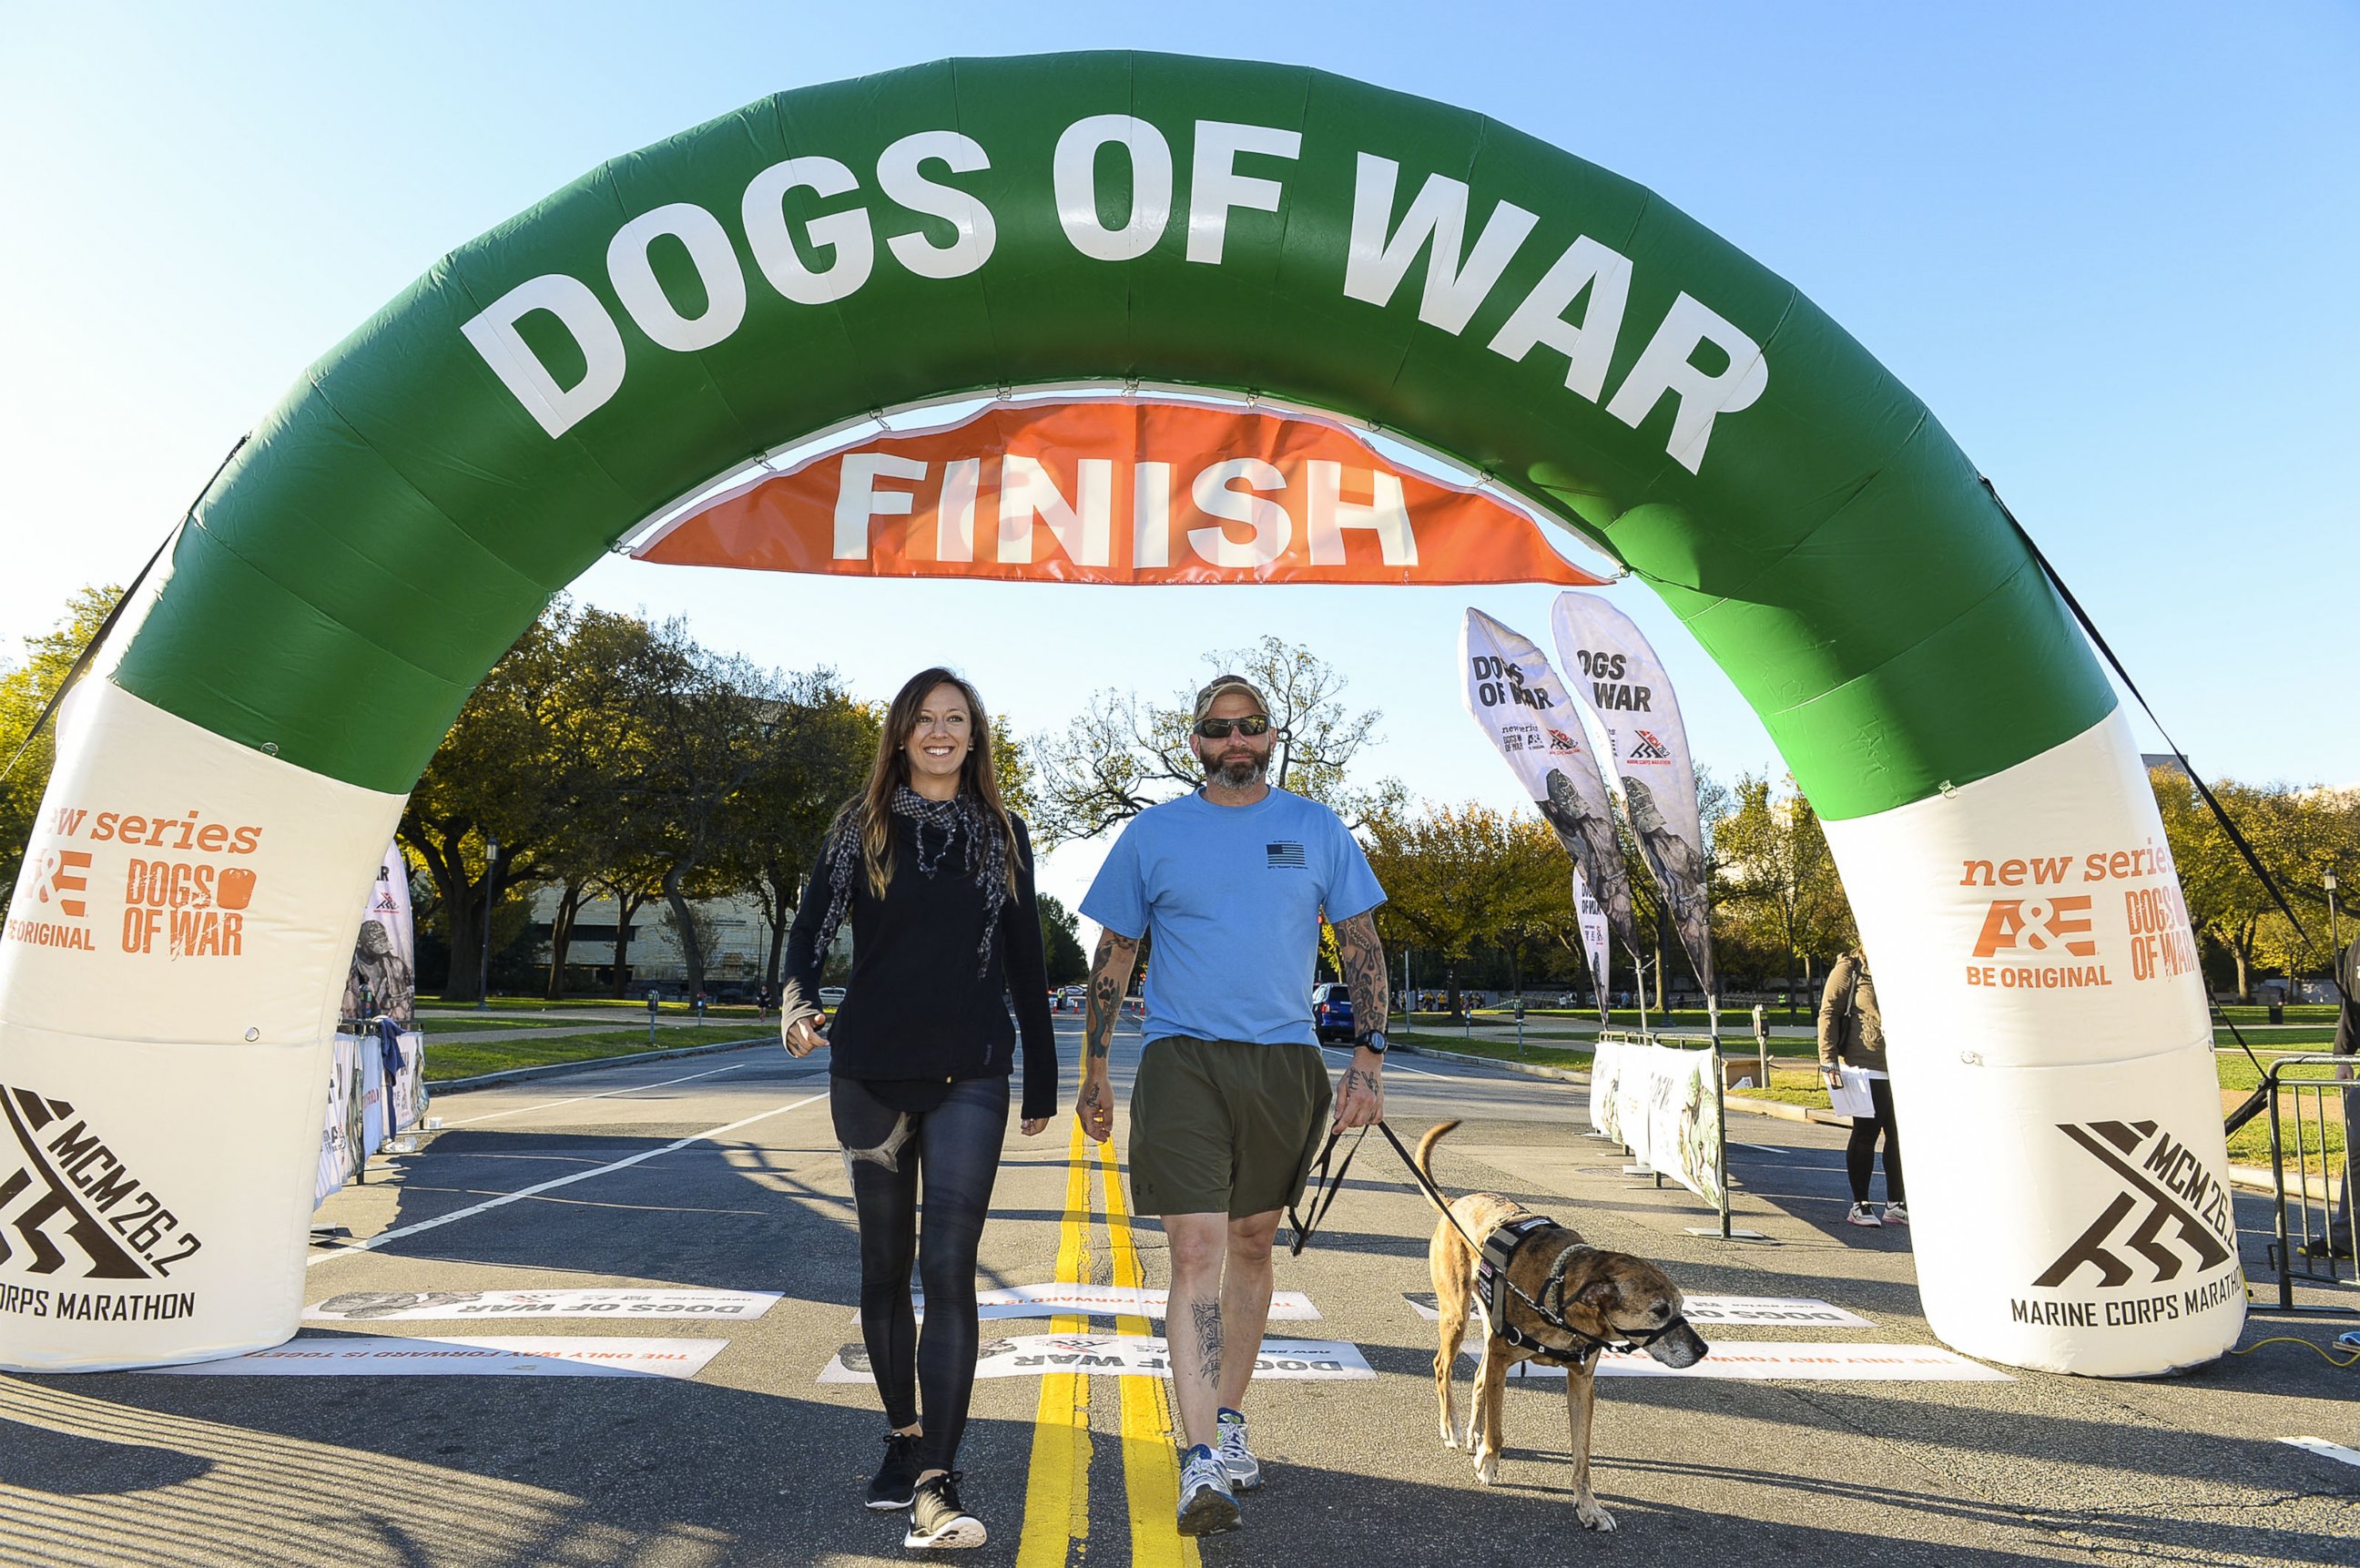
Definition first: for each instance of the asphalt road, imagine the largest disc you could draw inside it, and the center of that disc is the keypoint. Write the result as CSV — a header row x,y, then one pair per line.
x,y
720,1172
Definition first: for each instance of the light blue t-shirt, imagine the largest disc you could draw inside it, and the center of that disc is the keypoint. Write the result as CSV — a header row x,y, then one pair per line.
x,y
1233,896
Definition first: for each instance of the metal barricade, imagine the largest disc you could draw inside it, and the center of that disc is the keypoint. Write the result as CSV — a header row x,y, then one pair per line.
x,y
2320,1252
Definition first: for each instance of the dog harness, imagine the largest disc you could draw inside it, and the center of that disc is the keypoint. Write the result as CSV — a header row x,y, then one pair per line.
x,y
1493,1289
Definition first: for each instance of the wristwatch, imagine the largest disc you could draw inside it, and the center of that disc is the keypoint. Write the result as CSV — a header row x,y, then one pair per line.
x,y
1373,1041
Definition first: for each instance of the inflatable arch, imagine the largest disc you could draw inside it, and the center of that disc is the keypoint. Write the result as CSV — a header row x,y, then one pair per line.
x,y
174,951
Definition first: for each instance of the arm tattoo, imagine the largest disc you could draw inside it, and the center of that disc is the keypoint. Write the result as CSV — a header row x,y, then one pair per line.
x,y
1207,1318
1364,970
1110,977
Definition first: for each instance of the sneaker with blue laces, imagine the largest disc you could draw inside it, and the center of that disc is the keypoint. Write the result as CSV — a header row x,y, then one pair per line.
x,y
1245,1470
1206,1504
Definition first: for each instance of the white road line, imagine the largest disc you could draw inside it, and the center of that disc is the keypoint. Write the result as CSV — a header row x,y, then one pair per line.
x,y
630,1088
538,1188
2326,1448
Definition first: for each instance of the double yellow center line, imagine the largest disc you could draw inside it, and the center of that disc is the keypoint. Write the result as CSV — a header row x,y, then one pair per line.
x,y
1058,1494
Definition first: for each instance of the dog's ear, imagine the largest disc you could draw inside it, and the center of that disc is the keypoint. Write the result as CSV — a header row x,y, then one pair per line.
x,y
1601,1294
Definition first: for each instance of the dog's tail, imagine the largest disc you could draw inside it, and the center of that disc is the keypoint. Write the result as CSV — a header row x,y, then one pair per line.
x,y
1434,1136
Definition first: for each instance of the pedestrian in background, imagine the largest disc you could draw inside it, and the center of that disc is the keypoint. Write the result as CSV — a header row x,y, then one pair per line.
x,y
935,875
1851,1045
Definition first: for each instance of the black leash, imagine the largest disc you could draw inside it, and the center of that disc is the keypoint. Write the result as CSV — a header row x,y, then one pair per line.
x,y
2260,1097
1329,1184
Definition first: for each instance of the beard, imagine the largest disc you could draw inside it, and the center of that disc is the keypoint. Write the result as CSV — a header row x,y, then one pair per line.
x,y
1237,772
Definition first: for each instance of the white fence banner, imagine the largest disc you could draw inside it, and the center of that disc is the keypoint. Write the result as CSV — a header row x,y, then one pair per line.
x,y
1663,1103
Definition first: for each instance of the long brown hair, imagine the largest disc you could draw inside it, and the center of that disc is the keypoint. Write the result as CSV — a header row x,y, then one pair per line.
x,y
872,808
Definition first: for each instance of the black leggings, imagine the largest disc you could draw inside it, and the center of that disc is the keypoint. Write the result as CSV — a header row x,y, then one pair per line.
x,y
1862,1150
957,1146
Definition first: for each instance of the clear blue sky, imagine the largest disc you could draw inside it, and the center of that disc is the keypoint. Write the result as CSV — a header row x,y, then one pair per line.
x,y
2112,246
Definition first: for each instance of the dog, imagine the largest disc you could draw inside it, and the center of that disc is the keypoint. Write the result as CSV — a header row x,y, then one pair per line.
x,y
1607,1297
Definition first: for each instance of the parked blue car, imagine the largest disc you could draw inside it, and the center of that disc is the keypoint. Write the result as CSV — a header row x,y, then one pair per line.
x,y
1331,1011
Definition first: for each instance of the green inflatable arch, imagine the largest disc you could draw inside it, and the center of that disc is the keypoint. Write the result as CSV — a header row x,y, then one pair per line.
x,y
1103,219
400,519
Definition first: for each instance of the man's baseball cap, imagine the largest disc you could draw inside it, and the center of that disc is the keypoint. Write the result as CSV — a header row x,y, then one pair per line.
x,y
1219,683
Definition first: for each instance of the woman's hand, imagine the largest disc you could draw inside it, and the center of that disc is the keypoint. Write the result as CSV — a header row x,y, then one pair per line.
x,y
802,1040
1031,1126
1834,1076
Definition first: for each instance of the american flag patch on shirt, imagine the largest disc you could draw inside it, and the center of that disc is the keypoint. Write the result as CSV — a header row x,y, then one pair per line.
x,y
1286,855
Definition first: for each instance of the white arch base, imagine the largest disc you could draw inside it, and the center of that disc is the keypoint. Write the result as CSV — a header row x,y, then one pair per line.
x,y
2052,1066
167,999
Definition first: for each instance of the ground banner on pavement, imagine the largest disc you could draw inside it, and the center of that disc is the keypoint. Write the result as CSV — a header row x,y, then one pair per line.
x,y
1778,1312
1817,1361
1103,1300
1124,1355
430,1306
499,1356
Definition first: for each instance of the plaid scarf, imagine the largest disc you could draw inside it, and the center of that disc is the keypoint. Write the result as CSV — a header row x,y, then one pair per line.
x,y
939,826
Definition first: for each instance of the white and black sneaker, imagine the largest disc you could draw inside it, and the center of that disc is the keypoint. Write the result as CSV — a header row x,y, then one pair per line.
x,y
1245,1469
1208,1506
1862,1214
937,1520
897,1478
1896,1213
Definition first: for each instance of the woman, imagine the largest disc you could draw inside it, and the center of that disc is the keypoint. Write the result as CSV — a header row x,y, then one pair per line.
x,y
936,875
1852,1045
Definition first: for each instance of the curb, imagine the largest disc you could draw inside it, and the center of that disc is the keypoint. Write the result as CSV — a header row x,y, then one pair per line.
x,y
2251,1177
557,1069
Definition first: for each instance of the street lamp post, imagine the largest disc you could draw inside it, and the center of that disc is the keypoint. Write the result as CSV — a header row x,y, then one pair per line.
x,y
491,898
2334,930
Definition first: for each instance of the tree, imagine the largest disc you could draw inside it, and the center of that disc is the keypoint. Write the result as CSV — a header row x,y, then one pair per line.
x,y
1061,940
703,722
1120,755
1777,873
821,745
503,775
2298,835
25,690
1458,876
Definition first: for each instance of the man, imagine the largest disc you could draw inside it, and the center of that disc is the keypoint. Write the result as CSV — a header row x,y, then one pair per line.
x,y
1231,1102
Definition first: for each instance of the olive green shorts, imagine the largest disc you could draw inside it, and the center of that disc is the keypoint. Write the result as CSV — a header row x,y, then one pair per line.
x,y
1224,1127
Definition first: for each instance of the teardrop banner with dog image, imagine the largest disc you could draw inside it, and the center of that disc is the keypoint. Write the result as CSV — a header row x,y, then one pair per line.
x,y
1513,693
1611,666
174,950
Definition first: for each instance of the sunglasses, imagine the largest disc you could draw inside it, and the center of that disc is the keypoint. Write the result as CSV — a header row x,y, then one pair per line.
x,y
1218,729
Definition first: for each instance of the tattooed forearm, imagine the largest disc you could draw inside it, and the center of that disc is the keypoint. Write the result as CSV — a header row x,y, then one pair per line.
x,y
1110,977
1207,1318
1364,970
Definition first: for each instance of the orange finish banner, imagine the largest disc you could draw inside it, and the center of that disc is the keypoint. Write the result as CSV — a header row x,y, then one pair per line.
x,y
1116,491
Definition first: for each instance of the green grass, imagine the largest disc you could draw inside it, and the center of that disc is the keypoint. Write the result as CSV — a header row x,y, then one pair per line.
x,y
445,1062
432,1024
637,1004
1499,1049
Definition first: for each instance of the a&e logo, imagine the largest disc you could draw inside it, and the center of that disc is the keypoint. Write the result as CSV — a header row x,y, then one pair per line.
x,y
2058,925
